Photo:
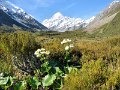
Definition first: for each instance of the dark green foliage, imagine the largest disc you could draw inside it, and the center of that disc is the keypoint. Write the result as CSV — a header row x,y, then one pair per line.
x,y
20,42
34,83
20,85
18,49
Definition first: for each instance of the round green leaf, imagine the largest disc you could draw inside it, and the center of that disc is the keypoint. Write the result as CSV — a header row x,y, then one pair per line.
x,y
3,80
34,83
48,80
58,71
20,85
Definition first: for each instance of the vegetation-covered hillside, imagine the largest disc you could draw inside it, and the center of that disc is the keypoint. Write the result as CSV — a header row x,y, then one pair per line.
x,y
110,29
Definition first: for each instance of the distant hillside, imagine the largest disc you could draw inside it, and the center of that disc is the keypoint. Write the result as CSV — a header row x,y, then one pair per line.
x,y
105,16
109,29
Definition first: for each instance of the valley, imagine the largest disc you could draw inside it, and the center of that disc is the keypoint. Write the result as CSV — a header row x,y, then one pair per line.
x,y
61,53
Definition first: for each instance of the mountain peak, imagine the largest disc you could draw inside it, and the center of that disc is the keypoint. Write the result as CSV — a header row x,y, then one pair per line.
x,y
57,15
114,3
61,23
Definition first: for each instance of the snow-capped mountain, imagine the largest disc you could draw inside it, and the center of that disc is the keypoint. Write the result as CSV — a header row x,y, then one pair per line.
x,y
11,15
61,23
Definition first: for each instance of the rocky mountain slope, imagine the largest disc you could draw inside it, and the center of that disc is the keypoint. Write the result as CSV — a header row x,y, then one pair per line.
x,y
12,15
61,23
110,29
105,16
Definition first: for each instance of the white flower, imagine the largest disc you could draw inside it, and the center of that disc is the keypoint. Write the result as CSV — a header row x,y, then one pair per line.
x,y
47,52
68,40
43,52
67,48
65,41
37,52
1,74
42,49
40,52
61,42
71,45
38,55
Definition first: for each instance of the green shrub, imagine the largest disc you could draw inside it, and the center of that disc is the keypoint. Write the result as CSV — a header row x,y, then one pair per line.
x,y
17,49
91,76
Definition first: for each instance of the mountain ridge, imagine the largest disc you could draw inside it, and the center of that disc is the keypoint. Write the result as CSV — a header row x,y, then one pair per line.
x,y
105,16
61,23
19,16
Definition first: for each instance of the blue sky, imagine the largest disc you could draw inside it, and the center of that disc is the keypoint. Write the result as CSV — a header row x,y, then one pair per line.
x,y
43,9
